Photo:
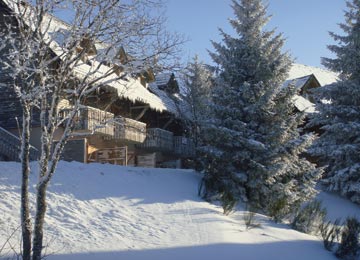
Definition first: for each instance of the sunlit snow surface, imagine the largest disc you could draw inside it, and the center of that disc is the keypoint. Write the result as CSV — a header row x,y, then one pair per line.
x,y
99,211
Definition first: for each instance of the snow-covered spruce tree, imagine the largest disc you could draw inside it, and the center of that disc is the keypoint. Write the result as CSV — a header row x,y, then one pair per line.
x,y
253,144
339,145
198,84
41,55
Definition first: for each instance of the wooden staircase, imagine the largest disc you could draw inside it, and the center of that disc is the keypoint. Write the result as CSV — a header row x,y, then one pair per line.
x,y
10,147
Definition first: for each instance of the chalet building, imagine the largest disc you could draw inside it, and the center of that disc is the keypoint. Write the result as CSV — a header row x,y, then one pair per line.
x,y
305,79
145,113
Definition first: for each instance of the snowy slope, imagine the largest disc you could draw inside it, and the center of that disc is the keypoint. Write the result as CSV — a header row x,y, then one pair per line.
x,y
111,212
338,207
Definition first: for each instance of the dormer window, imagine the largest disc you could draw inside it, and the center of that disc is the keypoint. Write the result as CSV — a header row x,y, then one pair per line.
x,y
146,76
121,58
88,46
118,69
168,83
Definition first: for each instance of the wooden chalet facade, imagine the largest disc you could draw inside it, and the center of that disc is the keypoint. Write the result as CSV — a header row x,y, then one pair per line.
x,y
137,122
136,134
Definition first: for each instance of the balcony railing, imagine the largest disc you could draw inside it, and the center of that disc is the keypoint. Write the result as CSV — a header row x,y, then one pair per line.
x,y
158,139
183,146
92,120
129,130
10,146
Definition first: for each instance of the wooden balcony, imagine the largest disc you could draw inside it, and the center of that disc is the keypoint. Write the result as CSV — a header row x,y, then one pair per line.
x,y
90,120
129,130
184,146
158,140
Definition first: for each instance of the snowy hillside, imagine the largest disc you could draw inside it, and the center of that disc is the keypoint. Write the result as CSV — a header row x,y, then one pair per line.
x,y
111,212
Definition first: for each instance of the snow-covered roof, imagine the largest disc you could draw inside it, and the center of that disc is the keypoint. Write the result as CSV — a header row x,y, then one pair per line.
x,y
163,78
298,83
175,103
299,75
325,77
303,105
130,88
168,102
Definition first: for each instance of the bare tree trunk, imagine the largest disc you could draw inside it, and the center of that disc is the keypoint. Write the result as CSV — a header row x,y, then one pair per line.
x,y
25,211
46,173
39,221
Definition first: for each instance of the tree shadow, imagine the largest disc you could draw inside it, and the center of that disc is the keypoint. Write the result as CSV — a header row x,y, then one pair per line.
x,y
294,250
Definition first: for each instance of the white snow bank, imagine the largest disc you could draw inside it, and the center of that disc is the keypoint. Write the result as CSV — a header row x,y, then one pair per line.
x,y
100,211
338,207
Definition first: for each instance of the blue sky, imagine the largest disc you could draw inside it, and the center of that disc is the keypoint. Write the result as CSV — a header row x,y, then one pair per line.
x,y
304,23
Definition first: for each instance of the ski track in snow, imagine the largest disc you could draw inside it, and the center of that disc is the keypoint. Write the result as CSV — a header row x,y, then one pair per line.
x,y
100,211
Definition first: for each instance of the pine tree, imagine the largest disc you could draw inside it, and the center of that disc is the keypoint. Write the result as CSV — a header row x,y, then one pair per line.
x,y
253,144
339,146
255,55
347,53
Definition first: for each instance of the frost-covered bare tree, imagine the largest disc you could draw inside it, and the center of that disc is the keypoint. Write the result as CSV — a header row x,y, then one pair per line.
x,y
47,59
198,82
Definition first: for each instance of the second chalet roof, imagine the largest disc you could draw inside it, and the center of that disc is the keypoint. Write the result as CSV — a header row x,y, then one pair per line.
x,y
299,75
325,77
298,83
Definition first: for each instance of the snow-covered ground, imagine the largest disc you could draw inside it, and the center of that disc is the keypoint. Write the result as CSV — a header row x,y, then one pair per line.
x,y
100,211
